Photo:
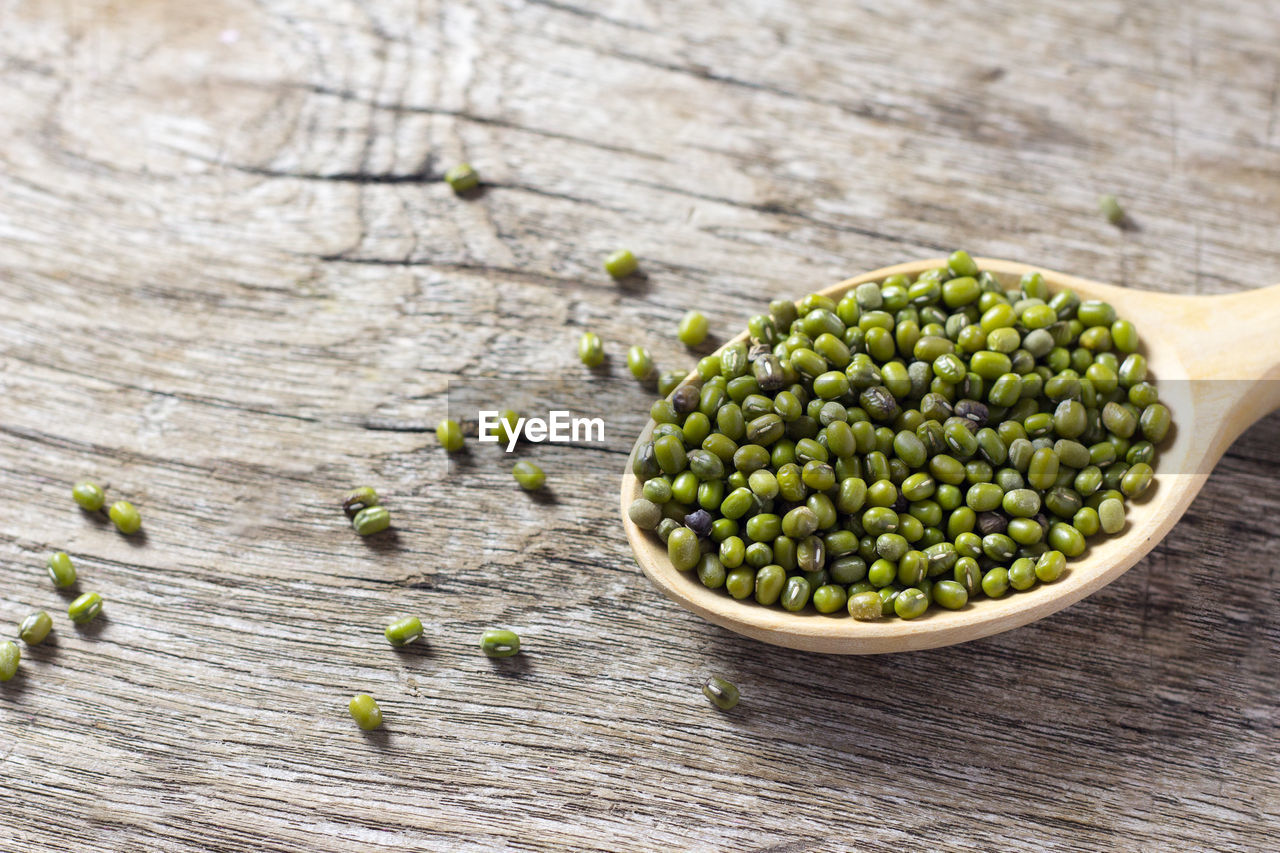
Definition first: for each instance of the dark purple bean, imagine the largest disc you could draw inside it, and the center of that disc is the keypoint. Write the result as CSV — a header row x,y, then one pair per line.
x,y
685,399
879,403
699,521
972,410
992,522
768,372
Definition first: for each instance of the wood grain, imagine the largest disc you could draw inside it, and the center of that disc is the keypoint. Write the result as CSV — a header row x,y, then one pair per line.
x,y
234,286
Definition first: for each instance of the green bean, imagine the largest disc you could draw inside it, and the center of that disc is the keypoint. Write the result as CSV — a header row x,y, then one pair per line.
x,y
1155,422
783,313
1142,451
1038,316
959,439
590,349
723,694
639,362
1024,531
1125,339
721,528
961,264
1111,209
85,608
697,427
848,569
404,631
1111,515
998,546
768,583
1119,420
10,655
995,582
800,522
693,329
1050,566
449,434
35,628
968,574
866,606
1042,471
371,520
1086,521
709,370
711,572
1022,573
1136,480
668,380
990,365
1065,538
1062,501
910,603
733,551
950,595
88,495
61,570
683,549
829,598
984,497
499,643
740,582
462,178
125,517
795,595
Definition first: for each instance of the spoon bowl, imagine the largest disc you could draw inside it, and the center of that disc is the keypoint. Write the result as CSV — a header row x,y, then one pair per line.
x,y
1216,360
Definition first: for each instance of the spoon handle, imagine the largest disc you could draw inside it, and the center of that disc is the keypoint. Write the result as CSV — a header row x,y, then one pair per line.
x,y
1230,345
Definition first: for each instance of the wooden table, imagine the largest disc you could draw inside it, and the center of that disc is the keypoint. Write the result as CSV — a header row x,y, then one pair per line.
x,y
234,286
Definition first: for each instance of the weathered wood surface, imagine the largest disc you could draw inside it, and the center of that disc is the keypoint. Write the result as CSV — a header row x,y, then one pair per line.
x,y
233,286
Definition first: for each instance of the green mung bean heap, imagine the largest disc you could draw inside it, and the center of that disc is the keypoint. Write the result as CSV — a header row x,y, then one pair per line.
x,y
921,442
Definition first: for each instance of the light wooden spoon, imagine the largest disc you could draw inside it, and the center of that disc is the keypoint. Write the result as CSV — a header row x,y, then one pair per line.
x,y
1226,348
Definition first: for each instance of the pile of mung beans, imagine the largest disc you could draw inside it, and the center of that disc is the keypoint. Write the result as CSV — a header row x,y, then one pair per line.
x,y
915,443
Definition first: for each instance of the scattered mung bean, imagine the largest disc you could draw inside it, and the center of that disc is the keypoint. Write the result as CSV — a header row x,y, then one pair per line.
x,y
620,264
722,693
1111,209
125,517
371,520
85,608
88,495
403,631
462,178
528,475
61,570
591,349
10,655
35,628
693,329
499,643
449,434
365,711
359,498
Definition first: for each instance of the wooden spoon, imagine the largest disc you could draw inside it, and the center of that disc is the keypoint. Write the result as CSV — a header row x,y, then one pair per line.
x,y
1229,345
